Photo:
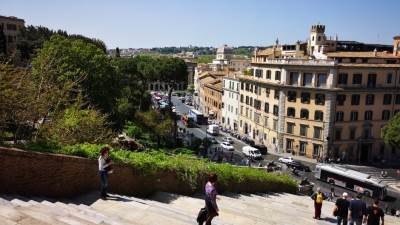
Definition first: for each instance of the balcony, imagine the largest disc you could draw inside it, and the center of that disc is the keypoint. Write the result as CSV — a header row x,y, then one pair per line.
x,y
304,62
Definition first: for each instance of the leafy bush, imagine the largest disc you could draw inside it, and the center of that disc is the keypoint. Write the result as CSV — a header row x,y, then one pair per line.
x,y
188,169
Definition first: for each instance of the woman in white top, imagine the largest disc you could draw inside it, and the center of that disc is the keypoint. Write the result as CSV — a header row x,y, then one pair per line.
x,y
103,170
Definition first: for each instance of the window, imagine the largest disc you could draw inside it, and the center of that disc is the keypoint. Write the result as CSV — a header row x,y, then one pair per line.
x,y
317,132
255,89
316,149
367,132
291,96
385,115
307,79
247,100
258,73
368,115
277,75
304,113
267,90
276,94
321,81
397,101
256,117
319,99
339,116
290,127
369,99
276,110
289,144
266,107
241,98
353,60
338,134
352,133
303,130
342,79
303,146
265,121
389,78
291,112
340,99
319,115
305,97
275,125
355,99
268,74
251,101
257,104
371,80
357,78
354,116
293,78
387,99
241,86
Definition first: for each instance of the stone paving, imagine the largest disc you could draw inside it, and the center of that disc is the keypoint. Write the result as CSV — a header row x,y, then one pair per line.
x,y
165,208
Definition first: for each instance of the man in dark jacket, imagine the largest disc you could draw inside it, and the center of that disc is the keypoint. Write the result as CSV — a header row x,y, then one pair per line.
x,y
342,208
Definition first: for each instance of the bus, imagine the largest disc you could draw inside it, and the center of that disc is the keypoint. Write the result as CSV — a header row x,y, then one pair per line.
x,y
199,118
188,121
351,179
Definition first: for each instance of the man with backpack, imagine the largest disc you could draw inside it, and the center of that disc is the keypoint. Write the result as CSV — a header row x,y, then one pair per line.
x,y
356,210
318,198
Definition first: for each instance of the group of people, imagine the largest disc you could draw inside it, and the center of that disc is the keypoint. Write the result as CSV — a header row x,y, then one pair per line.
x,y
351,211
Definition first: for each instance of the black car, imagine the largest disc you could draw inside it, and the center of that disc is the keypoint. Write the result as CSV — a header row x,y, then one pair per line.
x,y
299,166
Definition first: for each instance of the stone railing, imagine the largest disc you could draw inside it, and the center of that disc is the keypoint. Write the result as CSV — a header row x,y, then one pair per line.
x,y
305,62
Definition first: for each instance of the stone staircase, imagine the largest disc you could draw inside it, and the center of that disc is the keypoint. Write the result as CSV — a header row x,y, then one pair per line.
x,y
164,208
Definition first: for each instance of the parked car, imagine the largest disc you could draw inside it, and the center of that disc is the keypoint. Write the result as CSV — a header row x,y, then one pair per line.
x,y
298,166
228,139
212,140
227,146
251,152
285,160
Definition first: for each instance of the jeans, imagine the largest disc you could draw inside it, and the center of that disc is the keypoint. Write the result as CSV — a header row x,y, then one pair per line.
x,y
341,220
104,183
355,221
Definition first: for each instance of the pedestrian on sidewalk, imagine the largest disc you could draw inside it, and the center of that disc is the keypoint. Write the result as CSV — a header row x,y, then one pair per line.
x,y
342,209
211,198
374,213
318,198
357,209
332,195
104,167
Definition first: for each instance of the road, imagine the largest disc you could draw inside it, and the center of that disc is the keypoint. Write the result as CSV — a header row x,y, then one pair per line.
x,y
200,132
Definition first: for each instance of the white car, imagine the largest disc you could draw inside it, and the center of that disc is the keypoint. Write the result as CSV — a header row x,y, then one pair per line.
x,y
227,146
251,152
228,139
286,160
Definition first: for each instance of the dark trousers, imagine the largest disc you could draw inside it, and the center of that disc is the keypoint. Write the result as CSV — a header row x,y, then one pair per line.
x,y
104,183
317,207
342,220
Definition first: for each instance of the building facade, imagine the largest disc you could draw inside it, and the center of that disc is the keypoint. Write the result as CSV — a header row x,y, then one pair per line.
x,y
11,27
210,94
230,102
322,98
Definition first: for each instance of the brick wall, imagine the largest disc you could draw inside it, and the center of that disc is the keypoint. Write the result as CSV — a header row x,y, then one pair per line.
x,y
52,175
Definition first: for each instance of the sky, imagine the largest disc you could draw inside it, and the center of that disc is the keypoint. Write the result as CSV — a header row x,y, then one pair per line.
x,y
159,23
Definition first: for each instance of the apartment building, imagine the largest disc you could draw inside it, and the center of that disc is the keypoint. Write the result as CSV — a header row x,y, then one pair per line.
x,y
230,102
11,27
322,98
210,94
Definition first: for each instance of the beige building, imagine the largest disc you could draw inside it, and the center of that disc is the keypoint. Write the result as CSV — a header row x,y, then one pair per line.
x,y
11,27
311,98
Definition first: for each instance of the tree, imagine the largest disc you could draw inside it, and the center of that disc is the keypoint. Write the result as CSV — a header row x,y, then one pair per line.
x,y
391,132
3,43
158,124
117,53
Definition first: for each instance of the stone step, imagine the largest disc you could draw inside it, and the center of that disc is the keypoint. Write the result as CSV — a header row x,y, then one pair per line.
x,y
40,215
10,212
6,221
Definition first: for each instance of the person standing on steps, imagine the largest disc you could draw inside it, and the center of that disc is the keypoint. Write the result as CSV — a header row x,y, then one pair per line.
x,y
342,209
211,198
356,210
318,198
104,166
374,213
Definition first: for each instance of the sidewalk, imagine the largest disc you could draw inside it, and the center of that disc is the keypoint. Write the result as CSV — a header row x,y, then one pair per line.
x,y
295,157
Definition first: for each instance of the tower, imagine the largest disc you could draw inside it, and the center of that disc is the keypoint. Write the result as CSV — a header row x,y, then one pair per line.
x,y
317,39
396,46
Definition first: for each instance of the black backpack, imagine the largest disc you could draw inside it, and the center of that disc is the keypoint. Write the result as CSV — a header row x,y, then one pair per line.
x,y
202,216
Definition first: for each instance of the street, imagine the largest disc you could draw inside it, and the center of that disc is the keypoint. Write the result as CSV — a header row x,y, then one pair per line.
x,y
393,201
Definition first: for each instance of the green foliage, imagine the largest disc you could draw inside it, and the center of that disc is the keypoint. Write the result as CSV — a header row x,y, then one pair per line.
x,y
204,59
132,130
189,170
190,88
391,132
248,72
75,125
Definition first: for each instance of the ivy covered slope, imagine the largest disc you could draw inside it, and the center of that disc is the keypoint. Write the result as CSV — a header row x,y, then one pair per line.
x,y
188,169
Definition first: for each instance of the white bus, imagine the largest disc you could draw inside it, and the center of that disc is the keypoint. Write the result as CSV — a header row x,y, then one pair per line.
x,y
351,179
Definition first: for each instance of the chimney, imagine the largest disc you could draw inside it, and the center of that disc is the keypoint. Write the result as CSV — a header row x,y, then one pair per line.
x,y
396,46
375,51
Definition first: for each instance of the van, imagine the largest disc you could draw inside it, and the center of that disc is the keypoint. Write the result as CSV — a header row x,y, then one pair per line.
x,y
251,152
213,129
